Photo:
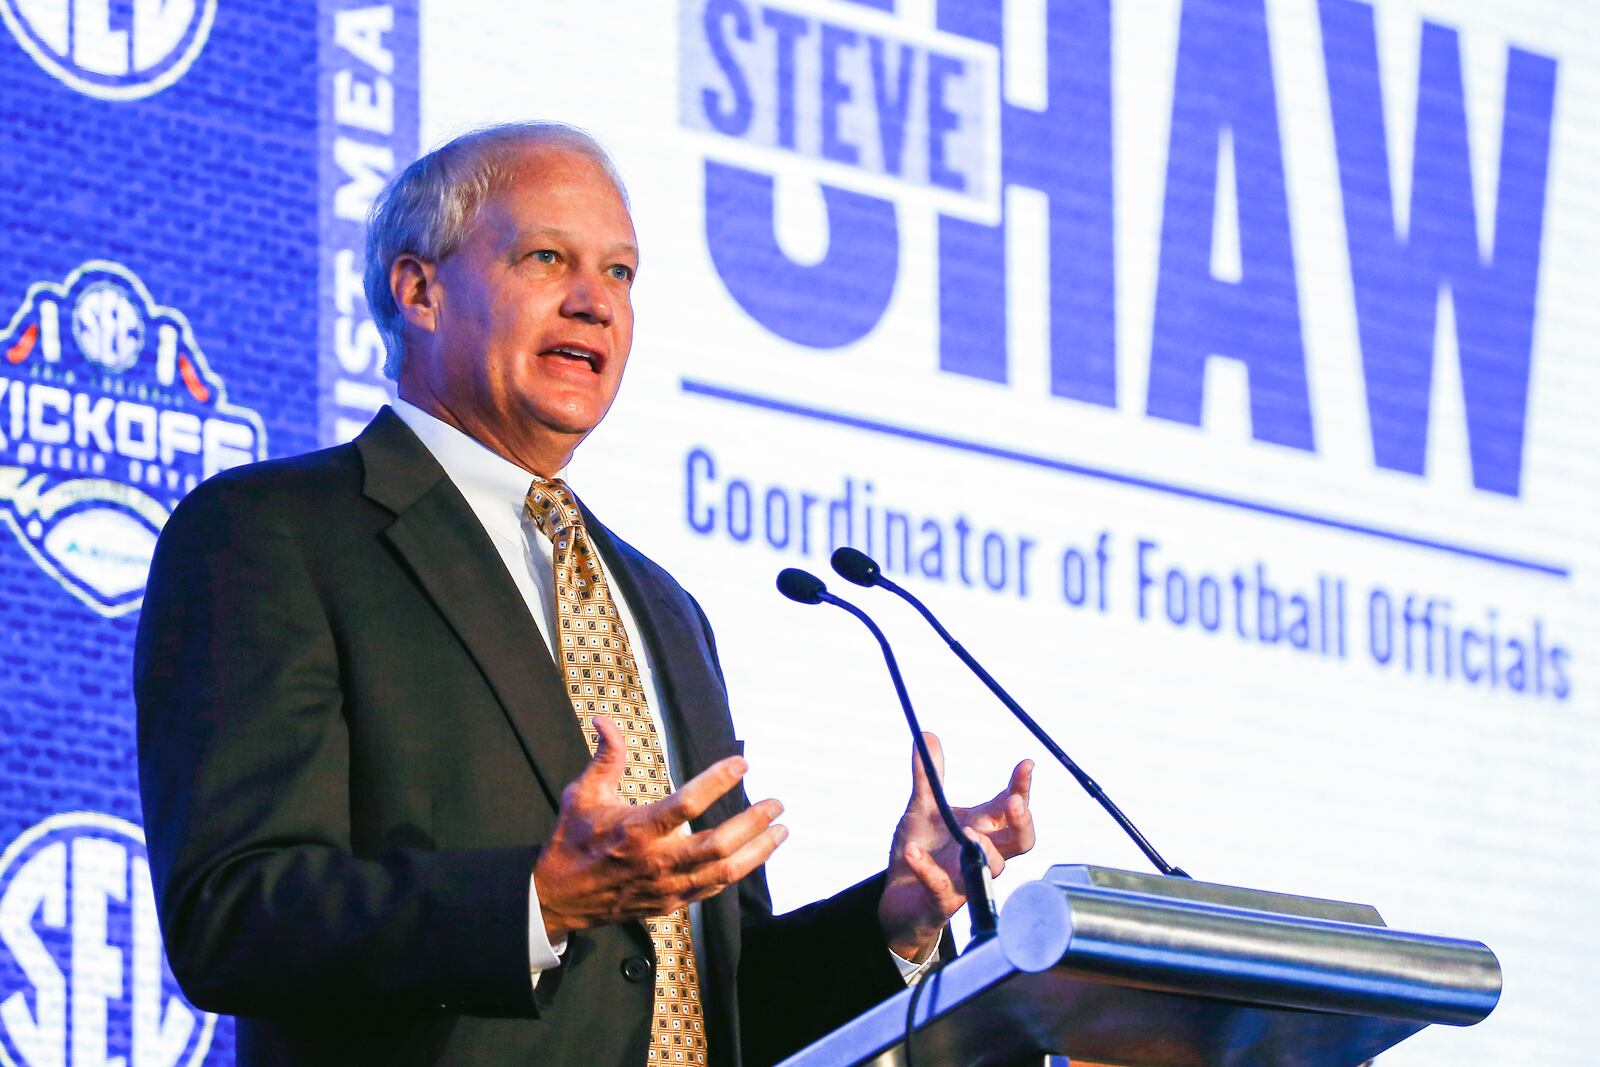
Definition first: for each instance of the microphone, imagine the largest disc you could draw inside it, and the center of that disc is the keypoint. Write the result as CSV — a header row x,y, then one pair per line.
x,y
862,569
802,587
806,588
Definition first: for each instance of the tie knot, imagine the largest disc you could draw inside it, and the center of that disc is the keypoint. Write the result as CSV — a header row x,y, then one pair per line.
x,y
551,506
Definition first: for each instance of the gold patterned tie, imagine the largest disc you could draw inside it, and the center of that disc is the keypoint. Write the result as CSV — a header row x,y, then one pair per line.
x,y
602,679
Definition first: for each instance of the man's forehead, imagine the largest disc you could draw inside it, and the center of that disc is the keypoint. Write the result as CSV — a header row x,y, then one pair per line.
x,y
539,163
530,198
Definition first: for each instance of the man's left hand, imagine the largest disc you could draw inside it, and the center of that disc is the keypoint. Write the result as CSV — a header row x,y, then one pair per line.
x,y
924,882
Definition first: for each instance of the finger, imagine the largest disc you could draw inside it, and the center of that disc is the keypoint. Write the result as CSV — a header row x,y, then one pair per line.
x,y
712,878
726,840
934,878
991,818
1020,785
600,778
1022,780
921,792
991,854
1007,820
1019,835
998,813
693,797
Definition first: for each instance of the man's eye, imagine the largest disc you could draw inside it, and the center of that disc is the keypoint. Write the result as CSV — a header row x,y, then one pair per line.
x,y
621,273
544,255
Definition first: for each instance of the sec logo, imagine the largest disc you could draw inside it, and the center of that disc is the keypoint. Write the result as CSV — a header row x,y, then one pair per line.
x,y
109,414
83,978
108,326
108,50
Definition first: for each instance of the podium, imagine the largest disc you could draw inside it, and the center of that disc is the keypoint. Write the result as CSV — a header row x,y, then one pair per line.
x,y
1118,968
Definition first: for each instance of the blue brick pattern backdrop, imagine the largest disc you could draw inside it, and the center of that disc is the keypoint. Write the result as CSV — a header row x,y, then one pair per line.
x,y
206,192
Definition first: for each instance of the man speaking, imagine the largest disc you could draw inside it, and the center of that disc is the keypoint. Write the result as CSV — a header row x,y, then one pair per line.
x,y
437,769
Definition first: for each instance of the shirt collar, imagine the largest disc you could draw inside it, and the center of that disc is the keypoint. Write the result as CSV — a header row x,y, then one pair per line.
x,y
494,486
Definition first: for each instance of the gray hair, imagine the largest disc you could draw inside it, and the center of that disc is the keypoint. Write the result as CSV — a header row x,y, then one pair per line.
x,y
427,209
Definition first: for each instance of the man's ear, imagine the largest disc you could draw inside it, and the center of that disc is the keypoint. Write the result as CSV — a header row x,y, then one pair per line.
x,y
415,287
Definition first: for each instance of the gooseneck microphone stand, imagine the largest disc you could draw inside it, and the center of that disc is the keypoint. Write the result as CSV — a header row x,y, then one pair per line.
x,y
862,569
806,588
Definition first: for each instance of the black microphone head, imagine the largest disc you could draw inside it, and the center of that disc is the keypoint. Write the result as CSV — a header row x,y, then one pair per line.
x,y
801,586
854,566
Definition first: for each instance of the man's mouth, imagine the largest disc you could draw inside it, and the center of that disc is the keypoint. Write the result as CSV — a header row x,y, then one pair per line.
x,y
576,353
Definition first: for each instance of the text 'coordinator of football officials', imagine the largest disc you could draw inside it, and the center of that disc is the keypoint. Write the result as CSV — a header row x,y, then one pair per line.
x,y
1431,634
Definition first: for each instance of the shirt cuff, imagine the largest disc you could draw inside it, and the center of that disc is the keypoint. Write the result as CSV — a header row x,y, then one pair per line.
x,y
542,955
910,972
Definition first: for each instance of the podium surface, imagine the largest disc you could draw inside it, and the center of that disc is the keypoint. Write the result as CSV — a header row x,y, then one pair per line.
x,y
1133,970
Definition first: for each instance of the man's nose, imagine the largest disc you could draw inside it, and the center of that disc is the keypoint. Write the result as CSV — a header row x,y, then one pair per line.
x,y
587,300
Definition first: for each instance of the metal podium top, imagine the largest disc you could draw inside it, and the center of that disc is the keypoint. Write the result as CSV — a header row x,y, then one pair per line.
x,y
1078,874
1143,971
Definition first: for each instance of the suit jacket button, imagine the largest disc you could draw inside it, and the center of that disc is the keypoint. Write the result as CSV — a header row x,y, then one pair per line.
x,y
636,969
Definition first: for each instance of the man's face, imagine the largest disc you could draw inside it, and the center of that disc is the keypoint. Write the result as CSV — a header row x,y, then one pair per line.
x,y
532,317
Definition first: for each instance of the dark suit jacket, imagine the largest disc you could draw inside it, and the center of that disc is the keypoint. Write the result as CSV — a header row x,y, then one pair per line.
x,y
352,740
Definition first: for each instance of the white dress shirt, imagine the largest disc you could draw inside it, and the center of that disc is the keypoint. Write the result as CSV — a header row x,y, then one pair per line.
x,y
495,489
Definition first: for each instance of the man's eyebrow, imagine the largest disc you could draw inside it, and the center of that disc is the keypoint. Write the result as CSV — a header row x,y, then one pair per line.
x,y
534,233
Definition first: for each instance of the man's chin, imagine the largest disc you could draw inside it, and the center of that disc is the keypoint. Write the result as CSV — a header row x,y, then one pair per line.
x,y
574,422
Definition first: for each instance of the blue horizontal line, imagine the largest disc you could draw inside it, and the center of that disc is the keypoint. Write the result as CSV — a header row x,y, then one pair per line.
x,y
908,433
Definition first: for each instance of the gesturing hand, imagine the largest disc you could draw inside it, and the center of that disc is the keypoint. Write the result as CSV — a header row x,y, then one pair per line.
x,y
924,883
609,861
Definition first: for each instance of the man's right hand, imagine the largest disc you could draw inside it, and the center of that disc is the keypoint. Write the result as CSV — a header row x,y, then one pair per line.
x,y
609,861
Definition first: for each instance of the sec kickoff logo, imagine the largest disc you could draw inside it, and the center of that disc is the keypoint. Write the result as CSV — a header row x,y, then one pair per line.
x,y
109,50
83,978
109,414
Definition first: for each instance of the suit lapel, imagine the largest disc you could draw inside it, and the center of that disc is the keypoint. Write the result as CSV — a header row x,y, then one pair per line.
x,y
444,545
